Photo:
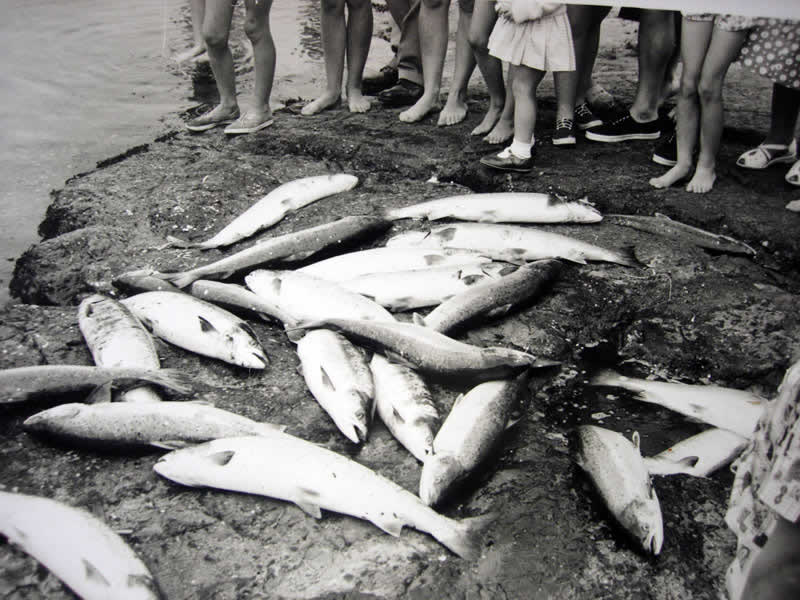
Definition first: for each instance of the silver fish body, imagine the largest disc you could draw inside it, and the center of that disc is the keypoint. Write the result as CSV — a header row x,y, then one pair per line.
x,y
290,246
116,338
727,408
273,207
288,468
162,425
405,405
232,294
699,455
25,383
199,327
77,547
617,470
338,376
501,207
512,243
468,435
494,296
387,260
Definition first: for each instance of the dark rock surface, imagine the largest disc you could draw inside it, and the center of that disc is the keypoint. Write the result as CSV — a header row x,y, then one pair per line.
x,y
687,314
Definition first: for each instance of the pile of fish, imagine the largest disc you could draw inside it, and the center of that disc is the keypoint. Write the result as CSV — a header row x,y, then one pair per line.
x,y
359,354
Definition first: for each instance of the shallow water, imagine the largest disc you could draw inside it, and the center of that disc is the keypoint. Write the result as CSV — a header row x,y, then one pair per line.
x,y
84,80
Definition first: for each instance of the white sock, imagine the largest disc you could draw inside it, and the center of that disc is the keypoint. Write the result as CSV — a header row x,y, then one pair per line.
x,y
520,149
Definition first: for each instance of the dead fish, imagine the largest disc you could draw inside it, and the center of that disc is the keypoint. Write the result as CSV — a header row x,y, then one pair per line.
x,y
24,383
699,455
616,468
512,243
501,207
385,260
492,297
199,326
79,549
664,225
404,290
405,406
338,376
731,409
168,425
116,338
232,294
273,207
304,297
468,435
290,246
314,478
430,351
142,280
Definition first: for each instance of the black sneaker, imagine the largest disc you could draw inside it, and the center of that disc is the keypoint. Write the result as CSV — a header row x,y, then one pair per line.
x,y
565,133
625,128
666,152
585,118
508,161
403,93
371,86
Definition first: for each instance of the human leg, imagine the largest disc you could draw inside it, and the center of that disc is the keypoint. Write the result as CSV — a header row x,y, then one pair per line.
x,y
483,19
433,34
334,39
779,145
455,108
722,51
408,88
656,46
197,9
585,24
565,86
694,45
359,35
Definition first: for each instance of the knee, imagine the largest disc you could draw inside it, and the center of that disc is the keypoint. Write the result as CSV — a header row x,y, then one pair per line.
x,y
256,29
433,4
215,38
479,42
332,7
709,90
688,86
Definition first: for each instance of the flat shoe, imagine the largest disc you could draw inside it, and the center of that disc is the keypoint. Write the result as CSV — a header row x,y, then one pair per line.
x,y
508,161
403,93
766,155
205,121
247,124
793,175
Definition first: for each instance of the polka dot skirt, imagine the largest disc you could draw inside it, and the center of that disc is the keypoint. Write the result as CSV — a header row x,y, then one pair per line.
x,y
772,50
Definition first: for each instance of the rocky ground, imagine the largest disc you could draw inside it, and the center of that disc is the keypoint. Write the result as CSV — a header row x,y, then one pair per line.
x,y
687,314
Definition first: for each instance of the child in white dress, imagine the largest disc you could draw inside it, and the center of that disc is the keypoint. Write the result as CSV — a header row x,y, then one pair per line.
x,y
534,38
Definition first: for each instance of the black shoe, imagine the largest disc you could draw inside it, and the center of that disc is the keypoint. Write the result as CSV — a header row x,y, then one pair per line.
x,y
507,161
585,118
666,152
564,134
405,92
625,128
371,86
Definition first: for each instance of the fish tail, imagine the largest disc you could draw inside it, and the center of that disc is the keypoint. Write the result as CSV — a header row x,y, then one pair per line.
x,y
465,537
173,242
627,256
606,377
180,280
172,379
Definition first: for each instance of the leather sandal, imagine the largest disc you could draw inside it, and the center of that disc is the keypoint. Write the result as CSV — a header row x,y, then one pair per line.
x,y
766,155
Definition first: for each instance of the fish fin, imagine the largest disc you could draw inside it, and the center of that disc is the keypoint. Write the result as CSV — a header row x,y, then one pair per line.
x,y
146,581
659,215
272,427
308,500
511,422
180,279
465,537
173,379
418,319
93,574
326,380
173,242
170,444
101,394
205,325
607,378
574,256
399,359
472,279
636,440
221,458
398,417
390,523
458,399
627,257
664,466
499,311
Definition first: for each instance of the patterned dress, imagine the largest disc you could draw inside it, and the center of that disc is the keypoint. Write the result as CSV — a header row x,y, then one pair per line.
x,y
772,49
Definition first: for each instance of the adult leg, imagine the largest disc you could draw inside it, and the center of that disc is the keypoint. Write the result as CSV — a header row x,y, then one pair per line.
x,y
433,34
491,68
359,36
334,39
783,116
722,51
585,24
455,109
197,9
694,46
656,45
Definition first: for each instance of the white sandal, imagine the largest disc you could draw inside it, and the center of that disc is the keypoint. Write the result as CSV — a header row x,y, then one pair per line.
x,y
766,155
793,176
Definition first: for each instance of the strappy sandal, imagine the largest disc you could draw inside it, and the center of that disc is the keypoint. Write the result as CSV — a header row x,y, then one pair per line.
x,y
793,176
766,155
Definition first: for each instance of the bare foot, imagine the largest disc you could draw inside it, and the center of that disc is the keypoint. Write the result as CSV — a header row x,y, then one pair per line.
x,y
418,112
327,100
454,111
192,52
357,102
703,180
501,132
674,175
489,120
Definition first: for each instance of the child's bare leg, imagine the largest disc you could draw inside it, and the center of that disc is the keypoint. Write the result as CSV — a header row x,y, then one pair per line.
x,y
334,40
525,82
198,9
778,558
491,68
256,26
216,28
565,84
694,44
359,35
433,33
455,109
722,51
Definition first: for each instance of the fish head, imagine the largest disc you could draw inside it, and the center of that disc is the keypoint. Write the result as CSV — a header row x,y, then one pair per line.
x,y
53,418
642,518
439,473
583,212
194,466
245,349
